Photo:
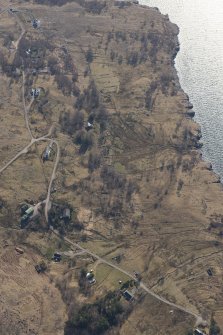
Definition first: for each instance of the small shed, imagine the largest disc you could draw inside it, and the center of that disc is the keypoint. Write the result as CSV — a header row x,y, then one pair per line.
x,y
128,295
198,332
29,211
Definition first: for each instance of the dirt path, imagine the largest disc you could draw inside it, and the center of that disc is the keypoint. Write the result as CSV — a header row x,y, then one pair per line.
x,y
16,44
26,108
53,176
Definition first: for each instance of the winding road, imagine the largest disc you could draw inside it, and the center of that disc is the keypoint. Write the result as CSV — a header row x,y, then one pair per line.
x,y
47,202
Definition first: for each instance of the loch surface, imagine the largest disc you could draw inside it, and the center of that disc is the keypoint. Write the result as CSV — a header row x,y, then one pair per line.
x,y
200,66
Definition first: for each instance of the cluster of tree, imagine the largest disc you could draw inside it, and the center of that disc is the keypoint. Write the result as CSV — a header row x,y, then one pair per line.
x,y
112,208
34,59
84,287
64,84
149,95
89,55
98,317
120,35
69,66
214,328
165,80
7,68
93,6
156,42
121,3
133,58
115,56
8,38
73,125
85,140
71,122
64,225
53,65
38,49
53,2
115,203
42,104
94,160
112,179
90,101
54,219
131,188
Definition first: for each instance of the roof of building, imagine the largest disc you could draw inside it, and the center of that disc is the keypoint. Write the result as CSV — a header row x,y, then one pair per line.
x,y
29,211
128,296
198,332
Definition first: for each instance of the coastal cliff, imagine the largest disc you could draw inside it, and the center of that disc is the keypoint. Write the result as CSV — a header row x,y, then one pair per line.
x,y
130,170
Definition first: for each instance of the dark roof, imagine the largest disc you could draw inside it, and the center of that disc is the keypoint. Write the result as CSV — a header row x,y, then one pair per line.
x,y
128,296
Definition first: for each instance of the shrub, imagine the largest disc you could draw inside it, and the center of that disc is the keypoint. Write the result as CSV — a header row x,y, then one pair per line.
x,y
133,58
53,65
8,39
70,123
112,179
85,140
96,318
63,84
214,329
149,95
89,55
94,161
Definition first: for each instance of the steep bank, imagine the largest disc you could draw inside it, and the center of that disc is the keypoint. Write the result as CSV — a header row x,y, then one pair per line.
x,y
136,181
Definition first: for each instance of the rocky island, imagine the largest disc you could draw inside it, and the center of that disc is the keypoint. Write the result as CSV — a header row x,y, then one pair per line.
x,y
110,221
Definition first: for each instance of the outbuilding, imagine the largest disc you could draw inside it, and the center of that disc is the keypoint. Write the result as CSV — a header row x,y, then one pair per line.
x,y
198,332
128,296
29,211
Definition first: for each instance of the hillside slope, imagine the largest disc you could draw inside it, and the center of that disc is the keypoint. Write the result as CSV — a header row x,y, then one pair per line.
x,y
129,169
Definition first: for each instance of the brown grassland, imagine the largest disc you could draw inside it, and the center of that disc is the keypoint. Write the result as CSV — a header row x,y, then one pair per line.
x,y
135,183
